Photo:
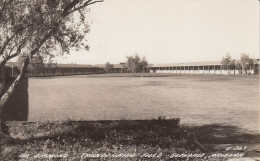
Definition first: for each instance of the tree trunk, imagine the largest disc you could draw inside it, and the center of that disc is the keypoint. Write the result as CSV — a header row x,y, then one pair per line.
x,y
6,96
2,79
2,75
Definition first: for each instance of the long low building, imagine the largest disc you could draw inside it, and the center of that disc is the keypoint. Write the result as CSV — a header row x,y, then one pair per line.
x,y
206,67
12,69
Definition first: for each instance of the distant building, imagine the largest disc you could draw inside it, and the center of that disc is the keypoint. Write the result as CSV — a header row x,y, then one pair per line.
x,y
206,67
11,69
67,69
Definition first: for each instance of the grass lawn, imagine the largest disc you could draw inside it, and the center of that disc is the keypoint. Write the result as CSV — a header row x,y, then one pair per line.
x,y
217,117
196,100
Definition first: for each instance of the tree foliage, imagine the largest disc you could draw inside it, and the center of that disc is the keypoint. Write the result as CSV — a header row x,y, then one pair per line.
x,y
136,64
143,64
132,63
246,62
227,62
31,27
46,28
108,67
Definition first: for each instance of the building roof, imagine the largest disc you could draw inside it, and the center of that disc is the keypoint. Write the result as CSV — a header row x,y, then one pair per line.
x,y
74,66
118,66
188,64
15,64
150,65
122,65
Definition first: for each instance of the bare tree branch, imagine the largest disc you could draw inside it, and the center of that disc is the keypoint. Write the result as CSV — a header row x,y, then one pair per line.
x,y
17,52
11,50
96,2
69,7
85,4
89,2
18,48
5,59
41,42
6,43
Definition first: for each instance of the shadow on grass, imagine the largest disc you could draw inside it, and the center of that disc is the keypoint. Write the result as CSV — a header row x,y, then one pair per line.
x,y
16,108
159,133
156,133
223,134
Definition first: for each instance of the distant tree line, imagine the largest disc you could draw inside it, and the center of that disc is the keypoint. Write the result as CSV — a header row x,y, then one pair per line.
x,y
243,65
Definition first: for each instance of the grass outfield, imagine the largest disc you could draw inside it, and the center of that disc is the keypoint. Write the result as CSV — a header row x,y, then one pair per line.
x,y
195,99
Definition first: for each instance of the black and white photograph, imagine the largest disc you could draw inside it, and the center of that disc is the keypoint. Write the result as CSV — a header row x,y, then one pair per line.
x,y
129,80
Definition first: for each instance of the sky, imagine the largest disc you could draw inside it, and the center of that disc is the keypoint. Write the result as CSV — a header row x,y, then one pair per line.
x,y
170,31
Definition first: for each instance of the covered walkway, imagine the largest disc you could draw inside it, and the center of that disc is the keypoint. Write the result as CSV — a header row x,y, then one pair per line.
x,y
209,67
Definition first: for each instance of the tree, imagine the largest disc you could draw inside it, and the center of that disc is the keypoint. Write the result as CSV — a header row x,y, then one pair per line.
x,y
36,65
135,64
143,64
108,67
238,66
232,65
132,63
29,28
246,63
227,63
